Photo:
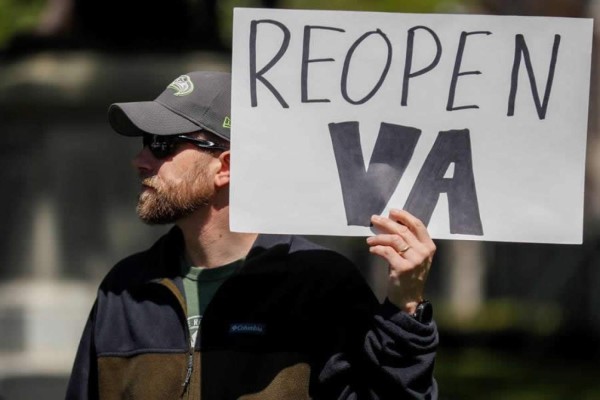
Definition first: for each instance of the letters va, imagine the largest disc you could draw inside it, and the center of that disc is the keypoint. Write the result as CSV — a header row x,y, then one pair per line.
x,y
367,192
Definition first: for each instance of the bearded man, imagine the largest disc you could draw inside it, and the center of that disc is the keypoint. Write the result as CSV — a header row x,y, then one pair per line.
x,y
214,314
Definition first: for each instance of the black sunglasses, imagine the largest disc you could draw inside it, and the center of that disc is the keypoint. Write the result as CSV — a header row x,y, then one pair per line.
x,y
163,146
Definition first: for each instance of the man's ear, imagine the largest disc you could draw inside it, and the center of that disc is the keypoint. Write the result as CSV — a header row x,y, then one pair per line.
x,y
222,176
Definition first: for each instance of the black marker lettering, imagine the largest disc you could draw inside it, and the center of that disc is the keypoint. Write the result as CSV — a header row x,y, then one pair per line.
x,y
452,146
306,60
521,50
344,82
456,73
408,62
367,192
254,76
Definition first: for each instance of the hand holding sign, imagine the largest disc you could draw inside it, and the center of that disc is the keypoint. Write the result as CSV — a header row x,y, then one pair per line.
x,y
408,248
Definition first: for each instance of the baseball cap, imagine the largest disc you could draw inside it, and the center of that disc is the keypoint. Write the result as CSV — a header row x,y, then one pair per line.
x,y
194,101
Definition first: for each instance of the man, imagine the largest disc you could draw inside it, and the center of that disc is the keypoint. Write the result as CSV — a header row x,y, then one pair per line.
x,y
281,318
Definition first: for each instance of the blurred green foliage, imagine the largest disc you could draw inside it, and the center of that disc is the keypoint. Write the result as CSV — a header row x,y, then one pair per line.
x,y
408,6
23,15
533,318
18,16
404,6
477,373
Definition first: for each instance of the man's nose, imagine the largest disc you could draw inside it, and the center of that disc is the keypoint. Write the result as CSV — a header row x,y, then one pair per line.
x,y
143,161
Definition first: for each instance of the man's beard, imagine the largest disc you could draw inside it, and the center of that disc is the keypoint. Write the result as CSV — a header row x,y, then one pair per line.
x,y
166,203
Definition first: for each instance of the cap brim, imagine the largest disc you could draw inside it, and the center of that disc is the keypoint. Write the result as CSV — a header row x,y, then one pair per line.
x,y
137,118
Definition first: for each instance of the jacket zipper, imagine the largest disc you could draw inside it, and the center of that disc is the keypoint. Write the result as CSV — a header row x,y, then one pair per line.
x,y
171,287
190,368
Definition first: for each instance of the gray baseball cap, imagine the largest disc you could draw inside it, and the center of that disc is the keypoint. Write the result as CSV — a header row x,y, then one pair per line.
x,y
192,102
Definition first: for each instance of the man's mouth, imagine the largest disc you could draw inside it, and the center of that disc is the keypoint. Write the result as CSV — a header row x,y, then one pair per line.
x,y
148,184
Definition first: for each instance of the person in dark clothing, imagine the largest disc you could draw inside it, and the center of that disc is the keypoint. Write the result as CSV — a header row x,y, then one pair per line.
x,y
214,314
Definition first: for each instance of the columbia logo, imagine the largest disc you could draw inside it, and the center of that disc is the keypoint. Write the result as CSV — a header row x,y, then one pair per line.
x,y
257,329
182,86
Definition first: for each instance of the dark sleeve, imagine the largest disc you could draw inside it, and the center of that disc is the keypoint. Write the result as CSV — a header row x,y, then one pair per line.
x,y
83,383
391,356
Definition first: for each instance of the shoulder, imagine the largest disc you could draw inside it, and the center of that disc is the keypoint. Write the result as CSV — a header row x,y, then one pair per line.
x,y
328,267
297,250
331,274
144,266
303,249
127,272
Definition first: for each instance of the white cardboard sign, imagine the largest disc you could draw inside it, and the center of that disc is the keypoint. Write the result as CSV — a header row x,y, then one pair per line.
x,y
475,124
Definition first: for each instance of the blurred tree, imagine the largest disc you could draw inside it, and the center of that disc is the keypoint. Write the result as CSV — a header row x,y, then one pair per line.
x,y
550,8
18,16
115,25
134,24
154,25
421,6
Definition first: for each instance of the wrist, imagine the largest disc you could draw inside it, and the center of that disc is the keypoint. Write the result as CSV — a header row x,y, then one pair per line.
x,y
423,312
409,307
406,303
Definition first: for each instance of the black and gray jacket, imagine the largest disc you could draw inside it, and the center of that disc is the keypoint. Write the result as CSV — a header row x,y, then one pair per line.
x,y
296,321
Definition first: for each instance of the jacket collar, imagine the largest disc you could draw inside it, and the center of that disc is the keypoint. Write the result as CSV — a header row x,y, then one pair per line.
x,y
163,257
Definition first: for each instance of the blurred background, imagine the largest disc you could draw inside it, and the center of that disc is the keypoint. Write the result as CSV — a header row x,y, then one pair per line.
x,y
517,321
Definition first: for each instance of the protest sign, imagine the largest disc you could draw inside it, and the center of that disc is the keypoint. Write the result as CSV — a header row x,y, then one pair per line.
x,y
475,124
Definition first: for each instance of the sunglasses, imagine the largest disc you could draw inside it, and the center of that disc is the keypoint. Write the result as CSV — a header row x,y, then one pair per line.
x,y
162,146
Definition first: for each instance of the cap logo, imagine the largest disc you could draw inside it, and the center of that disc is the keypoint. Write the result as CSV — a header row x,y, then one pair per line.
x,y
182,86
227,122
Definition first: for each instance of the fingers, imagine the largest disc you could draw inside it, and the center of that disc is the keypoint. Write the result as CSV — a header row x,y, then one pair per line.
x,y
409,227
411,222
397,242
390,255
405,244
399,246
402,233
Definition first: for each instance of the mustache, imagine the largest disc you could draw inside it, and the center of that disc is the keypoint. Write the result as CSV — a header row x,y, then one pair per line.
x,y
151,182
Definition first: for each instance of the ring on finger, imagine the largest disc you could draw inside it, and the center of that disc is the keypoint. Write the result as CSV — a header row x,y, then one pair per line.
x,y
404,249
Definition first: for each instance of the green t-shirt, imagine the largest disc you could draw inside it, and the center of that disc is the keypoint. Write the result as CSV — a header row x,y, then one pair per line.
x,y
200,285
